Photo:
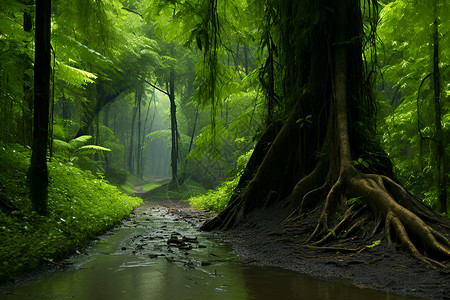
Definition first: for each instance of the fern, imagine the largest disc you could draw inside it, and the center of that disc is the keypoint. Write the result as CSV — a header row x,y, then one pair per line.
x,y
77,146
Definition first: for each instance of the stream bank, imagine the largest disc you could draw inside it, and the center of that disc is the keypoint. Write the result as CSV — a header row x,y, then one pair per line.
x,y
381,268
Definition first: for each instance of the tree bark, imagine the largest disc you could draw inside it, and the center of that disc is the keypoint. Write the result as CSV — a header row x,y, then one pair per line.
x,y
139,125
440,153
130,160
27,106
173,127
38,167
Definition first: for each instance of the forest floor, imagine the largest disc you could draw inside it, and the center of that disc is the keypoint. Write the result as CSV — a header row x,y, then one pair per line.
x,y
380,267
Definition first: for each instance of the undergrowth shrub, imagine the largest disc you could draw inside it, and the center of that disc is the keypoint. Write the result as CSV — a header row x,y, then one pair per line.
x,y
217,199
81,206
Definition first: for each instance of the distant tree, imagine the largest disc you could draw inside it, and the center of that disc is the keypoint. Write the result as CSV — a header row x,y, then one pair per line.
x,y
416,64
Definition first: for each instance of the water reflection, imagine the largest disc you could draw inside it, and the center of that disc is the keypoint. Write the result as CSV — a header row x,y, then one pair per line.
x,y
136,263
273,283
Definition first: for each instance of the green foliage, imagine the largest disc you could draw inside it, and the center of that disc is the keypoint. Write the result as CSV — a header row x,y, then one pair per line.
x,y
110,141
304,121
80,207
407,93
116,175
361,163
356,200
189,188
217,199
78,146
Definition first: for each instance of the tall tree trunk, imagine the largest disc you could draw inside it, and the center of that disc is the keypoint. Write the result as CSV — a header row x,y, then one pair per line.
x,y
27,106
139,127
64,107
313,164
440,153
38,167
191,141
144,127
271,83
246,58
130,161
173,127
106,116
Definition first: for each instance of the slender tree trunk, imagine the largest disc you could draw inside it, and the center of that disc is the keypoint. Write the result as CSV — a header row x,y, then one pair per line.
x,y
236,61
173,126
27,106
131,148
192,135
106,116
440,155
246,58
271,83
139,125
38,167
64,107
52,107
144,131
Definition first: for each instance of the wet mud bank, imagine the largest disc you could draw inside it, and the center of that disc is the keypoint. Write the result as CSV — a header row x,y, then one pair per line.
x,y
260,240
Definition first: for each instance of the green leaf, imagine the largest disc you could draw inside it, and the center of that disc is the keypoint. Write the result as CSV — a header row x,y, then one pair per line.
x,y
73,75
61,144
90,149
79,141
355,200
374,243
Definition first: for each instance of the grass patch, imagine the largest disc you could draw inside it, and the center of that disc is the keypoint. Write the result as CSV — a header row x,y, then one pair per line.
x,y
153,185
216,199
146,184
128,188
190,188
81,206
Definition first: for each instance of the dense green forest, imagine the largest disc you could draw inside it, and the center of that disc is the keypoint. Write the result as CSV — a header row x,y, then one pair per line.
x,y
340,106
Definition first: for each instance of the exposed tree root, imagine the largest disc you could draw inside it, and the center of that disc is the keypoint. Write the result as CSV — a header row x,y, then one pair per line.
x,y
401,225
338,249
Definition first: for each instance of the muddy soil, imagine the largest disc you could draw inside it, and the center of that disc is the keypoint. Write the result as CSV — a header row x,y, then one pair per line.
x,y
260,240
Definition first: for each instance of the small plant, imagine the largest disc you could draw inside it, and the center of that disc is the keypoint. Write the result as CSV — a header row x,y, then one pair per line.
x,y
78,146
355,200
304,121
361,163
374,243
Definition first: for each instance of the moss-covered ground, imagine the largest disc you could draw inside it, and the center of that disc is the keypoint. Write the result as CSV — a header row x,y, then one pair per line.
x,y
81,206
189,188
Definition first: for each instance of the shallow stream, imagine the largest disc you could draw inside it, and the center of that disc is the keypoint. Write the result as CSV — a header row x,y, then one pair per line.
x,y
156,255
